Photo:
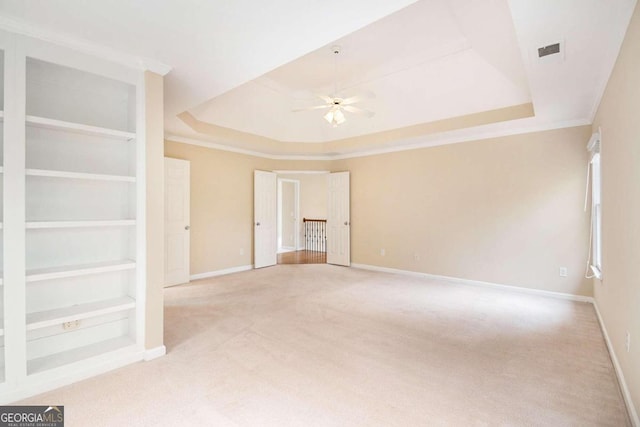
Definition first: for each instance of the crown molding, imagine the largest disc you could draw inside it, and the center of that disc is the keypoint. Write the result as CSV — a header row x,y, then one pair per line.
x,y
21,27
225,147
445,138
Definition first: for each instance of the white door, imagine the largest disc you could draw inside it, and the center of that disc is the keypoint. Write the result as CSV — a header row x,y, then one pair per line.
x,y
176,221
338,220
265,236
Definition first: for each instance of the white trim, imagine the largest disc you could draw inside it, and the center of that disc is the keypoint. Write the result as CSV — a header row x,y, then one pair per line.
x,y
221,272
290,172
623,384
454,139
154,353
70,373
225,147
420,142
286,249
18,26
540,292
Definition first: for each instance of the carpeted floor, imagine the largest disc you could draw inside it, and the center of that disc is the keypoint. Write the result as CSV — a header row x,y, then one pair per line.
x,y
319,345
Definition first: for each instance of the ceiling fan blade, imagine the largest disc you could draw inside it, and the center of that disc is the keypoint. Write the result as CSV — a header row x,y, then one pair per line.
x,y
325,98
315,107
357,110
358,98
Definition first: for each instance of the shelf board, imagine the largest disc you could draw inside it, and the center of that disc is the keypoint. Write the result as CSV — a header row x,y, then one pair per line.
x,y
78,175
79,270
80,224
56,360
45,123
43,319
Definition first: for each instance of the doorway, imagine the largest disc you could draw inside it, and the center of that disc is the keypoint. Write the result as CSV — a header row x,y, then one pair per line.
x,y
323,197
308,191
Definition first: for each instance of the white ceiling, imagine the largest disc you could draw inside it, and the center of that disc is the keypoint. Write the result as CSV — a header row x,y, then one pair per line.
x,y
244,66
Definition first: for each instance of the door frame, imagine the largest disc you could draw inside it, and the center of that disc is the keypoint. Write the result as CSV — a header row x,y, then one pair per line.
x,y
279,216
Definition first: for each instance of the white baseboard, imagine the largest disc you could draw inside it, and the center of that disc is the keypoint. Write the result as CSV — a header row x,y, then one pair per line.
x,y
154,353
69,374
540,292
285,249
623,384
221,272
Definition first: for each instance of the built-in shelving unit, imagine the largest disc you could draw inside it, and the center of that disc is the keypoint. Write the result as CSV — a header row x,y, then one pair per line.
x,y
81,208
46,123
74,313
78,175
72,238
78,270
31,225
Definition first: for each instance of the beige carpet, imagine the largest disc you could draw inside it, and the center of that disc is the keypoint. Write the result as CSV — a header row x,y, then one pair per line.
x,y
318,345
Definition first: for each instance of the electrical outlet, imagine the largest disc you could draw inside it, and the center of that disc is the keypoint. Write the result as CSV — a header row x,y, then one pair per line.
x,y
563,272
383,252
627,342
241,251
416,257
74,324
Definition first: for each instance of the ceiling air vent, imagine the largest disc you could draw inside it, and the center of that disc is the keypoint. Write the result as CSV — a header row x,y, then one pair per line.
x,y
548,50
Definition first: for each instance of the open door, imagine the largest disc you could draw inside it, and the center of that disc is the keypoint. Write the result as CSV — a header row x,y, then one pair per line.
x,y
338,220
265,243
176,221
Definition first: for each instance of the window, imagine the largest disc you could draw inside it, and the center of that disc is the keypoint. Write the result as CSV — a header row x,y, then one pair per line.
x,y
596,206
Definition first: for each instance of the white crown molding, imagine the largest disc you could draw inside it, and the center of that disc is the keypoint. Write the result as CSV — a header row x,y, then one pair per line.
x,y
24,28
225,147
453,137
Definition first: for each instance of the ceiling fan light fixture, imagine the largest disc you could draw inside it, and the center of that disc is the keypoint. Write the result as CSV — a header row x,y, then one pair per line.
x,y
335,117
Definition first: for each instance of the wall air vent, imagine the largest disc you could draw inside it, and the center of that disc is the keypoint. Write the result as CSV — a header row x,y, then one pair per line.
x,y
548,50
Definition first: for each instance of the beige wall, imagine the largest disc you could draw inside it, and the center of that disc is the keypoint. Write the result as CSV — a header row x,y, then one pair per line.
x,y
222,203
154,132
506,210
618,295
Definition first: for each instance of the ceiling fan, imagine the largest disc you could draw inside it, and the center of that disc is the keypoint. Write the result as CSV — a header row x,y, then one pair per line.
x,y
338,105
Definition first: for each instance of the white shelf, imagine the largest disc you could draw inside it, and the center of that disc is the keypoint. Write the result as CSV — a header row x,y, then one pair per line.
x,y
79,270
77,354
43,319
78,175
80,224
45,123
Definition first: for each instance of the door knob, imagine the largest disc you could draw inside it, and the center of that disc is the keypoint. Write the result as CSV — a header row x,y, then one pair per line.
x,y
346,223
257,224
186,227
